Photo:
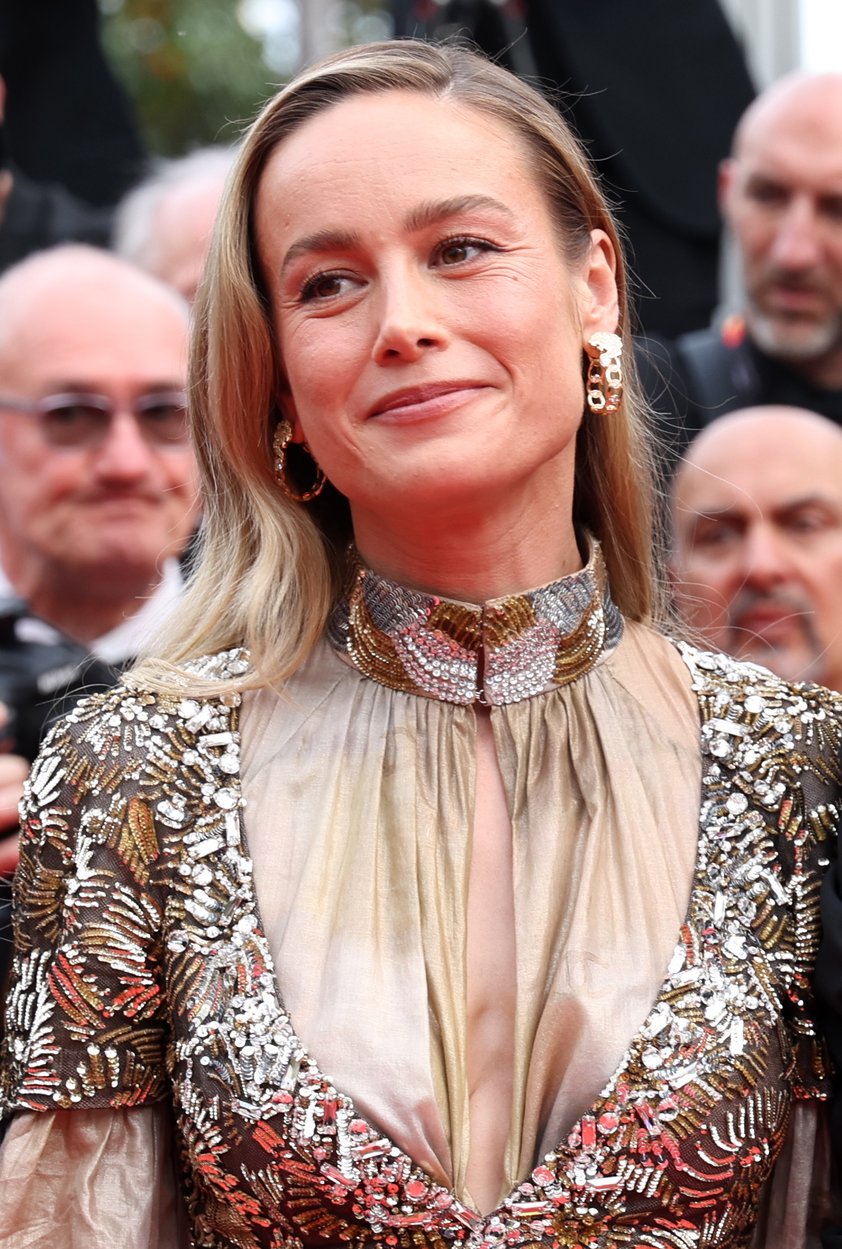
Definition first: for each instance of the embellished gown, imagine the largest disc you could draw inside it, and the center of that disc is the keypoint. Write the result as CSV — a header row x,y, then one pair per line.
x,y
242,933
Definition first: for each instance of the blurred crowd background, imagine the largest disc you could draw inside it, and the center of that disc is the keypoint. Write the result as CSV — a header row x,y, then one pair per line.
x,y
653,87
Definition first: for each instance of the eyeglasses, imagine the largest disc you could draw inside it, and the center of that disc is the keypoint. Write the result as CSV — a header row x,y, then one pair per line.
x,y
83,420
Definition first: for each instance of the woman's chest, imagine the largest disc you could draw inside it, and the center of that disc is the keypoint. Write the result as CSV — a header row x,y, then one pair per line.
x,y
689,1123
685,1124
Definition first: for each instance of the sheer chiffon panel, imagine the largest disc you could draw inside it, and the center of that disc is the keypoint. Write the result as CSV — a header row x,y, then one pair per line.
x,y
601,897
90,1179
347,905
363,895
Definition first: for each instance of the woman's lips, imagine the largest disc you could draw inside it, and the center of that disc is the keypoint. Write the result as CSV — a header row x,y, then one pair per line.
x,y
420,402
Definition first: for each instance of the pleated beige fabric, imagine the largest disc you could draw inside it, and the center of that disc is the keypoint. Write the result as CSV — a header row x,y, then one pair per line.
x,y
90,1179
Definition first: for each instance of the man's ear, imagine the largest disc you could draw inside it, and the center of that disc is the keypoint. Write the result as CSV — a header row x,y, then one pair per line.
x,y
600,301
724,182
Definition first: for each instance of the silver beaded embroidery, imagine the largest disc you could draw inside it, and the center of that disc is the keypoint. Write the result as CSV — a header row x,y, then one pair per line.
x,y
500,653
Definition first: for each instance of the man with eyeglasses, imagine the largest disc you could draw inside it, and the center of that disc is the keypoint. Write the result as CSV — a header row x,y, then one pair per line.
x,y
98,487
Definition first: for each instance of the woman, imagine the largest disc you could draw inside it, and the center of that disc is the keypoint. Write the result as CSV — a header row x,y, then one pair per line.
x,y
408,919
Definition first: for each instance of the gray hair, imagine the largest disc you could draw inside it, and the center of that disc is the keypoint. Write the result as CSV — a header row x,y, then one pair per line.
x,y
133,235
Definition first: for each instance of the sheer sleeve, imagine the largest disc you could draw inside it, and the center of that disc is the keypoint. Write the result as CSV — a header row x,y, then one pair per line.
x,y
797,1204
829,986
85,1021
809,832
89,1179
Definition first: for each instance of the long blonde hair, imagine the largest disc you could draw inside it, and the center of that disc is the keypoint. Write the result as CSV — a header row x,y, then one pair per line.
x,y
270,569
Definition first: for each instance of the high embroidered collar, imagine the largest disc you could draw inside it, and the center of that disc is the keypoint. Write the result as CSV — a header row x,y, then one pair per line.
x,y
501,652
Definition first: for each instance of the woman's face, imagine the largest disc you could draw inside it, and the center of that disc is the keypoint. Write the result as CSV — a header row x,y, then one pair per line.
x,y
430,327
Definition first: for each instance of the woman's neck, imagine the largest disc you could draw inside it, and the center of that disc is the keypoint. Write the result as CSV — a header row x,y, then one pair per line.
x,y
472,559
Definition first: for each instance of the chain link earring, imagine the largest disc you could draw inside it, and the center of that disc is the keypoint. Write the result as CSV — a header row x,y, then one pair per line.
x,y
280,446
605,373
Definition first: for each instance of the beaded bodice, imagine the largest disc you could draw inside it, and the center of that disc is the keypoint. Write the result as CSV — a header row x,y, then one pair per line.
x,y
497,653
143,973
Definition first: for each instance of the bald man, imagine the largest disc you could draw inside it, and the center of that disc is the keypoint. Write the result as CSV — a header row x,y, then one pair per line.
x,y
98,484
780,194
756,559
97,477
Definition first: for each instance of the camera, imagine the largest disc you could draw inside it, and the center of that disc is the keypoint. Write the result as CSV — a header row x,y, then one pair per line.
x,y
43,674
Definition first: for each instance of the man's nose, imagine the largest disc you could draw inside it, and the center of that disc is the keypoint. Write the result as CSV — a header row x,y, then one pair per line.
x,y
797,242
410,319
766,557
124,453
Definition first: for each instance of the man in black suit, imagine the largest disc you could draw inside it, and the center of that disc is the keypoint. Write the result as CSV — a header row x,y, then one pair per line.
x,y
781,196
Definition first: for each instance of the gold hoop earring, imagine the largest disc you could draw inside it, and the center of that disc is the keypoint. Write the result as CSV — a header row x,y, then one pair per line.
x,y
605,373
280,446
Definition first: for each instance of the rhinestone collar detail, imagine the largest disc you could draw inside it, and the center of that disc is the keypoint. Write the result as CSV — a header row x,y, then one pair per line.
x,y
506,650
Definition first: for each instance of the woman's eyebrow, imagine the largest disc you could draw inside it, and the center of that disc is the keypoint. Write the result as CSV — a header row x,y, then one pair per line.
x,y
438,210
319,241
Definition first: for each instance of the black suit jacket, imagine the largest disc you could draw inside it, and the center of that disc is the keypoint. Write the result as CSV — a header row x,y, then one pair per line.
x,y
68,120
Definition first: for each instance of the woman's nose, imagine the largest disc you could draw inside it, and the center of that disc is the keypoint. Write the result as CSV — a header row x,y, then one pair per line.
x,y
411,321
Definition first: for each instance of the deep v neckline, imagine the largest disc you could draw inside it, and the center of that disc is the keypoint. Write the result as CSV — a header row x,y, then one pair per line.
x,y
603,1117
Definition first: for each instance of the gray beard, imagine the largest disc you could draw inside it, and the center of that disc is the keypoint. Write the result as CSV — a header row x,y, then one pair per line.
x,y
796,345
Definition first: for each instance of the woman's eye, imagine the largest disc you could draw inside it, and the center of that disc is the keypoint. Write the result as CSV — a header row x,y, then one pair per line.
x,y
324,286
457,251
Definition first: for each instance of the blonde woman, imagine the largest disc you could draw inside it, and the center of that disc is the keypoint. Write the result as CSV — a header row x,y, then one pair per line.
x,y
385,901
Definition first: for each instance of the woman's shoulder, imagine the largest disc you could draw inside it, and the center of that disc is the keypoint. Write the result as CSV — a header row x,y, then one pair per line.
x,y
747,716
726,679
712,688
210,674
752,719
148,707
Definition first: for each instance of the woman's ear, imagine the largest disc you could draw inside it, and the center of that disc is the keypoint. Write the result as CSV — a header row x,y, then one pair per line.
x,y
600,302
